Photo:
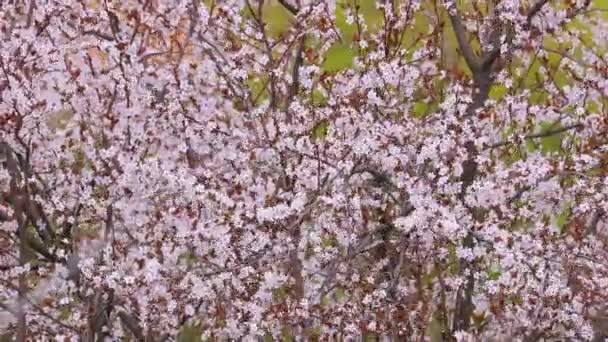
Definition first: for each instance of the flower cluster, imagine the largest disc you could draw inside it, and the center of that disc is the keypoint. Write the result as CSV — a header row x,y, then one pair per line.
x,y
310,169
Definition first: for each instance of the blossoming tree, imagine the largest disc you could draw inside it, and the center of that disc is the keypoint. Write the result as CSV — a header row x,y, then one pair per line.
x,y
303,169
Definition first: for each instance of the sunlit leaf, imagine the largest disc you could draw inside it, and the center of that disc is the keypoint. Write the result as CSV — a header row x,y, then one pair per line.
x,y
338,57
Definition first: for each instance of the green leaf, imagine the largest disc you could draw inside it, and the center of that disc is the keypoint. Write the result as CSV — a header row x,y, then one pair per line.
x,y
370,337
562,79
421,26
593,106
553,58
7,337
494,275
420,109
320,130
434,329
428,279
601,4
498,91
338,57
373,17
452,260
551,143
318,98
530,77
257,88
562,218
531,145
325,301
189,333
346,30
59,119
279,294
339,293
277,19
64,313
314,333
328,241
188,258
286,335
538,97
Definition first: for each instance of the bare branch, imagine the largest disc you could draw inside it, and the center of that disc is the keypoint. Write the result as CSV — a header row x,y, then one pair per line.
x,y
22,317
30,13
101,310
295,74
8,309
545,134
564,54
554,131
4,216
463,42
39,309
534,10
132,324
464,300
595,220
99,34
398,267
40,248
291,8
490,57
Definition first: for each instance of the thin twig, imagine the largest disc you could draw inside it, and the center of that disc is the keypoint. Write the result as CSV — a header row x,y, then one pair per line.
x,y
39,309
539,135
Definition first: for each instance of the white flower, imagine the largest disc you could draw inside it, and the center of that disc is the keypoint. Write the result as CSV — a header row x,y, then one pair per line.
x,y
350,19
462,336
273,280
189,310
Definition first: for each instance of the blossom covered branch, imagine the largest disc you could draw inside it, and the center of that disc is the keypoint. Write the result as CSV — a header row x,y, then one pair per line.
x,y
310,169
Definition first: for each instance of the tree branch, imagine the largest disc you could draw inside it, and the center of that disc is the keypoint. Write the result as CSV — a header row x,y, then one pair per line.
x,y
490,57
564,54
464,301
463,42
22,317
38,309
295,74
291,8
534,10
4,216
545,134
482,77
595,220
131,323
554,131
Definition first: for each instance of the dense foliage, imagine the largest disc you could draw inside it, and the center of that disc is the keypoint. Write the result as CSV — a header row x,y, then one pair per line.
x,y
303,169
